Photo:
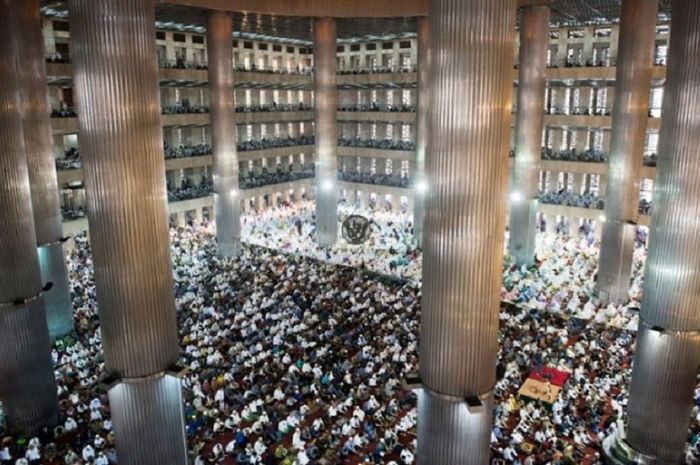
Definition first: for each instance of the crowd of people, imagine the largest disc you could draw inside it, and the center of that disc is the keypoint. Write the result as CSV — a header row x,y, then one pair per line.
x,y
276,176
386,144
274,106
588,156
70,160
571,199
186,151
190,189
296,354
389,180
266,143
374,106
183,107
378,70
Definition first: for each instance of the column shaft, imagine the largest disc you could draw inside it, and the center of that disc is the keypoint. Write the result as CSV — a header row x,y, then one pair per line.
x,y
325,114
534,39
666,358
630,117
420,185
43,180
27,385
472,43
223,126
116,82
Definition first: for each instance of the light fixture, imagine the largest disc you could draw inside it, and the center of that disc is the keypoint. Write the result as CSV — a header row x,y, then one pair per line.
x,y
327,185
516,196
422,187
602,218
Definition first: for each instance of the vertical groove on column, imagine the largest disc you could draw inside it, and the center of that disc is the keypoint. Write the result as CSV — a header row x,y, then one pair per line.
x,y
159,401
223,126
630,117
27,386
471,74
472,52
43,179
534,40
672,276
326,128
661,392
116,82
420,186
665,364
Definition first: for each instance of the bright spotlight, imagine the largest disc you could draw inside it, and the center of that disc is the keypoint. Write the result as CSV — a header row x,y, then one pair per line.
x,y
602,218
422,187
327,185
516,196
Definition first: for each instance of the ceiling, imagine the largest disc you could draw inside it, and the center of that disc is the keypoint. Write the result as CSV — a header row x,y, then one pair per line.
x,y
297,30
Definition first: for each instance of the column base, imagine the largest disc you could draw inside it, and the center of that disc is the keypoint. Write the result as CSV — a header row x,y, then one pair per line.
x,y
451,433
27,384
57,301
149,421
616,451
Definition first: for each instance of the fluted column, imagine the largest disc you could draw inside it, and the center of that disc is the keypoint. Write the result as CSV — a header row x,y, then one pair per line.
x,y
116,82
420,185
534,40
472,49
27,385
668,344
630,117
223,133
325,115
43,180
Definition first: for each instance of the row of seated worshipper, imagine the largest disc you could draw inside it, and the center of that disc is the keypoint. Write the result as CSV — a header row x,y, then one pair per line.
x,y
274,106
571,199
265,143
299,70
378,70
588,156
184,107
190,190
374,106
386,144
391,180
278,176
186,151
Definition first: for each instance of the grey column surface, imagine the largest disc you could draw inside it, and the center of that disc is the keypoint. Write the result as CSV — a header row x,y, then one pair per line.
x,y
472,50
534,40
223,133
668,348
420,185
326,128
116,82
630,117
27,385
43,180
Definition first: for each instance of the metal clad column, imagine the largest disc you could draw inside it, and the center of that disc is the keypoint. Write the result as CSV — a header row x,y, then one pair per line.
x,y
325,115
630,117
472,51
534,40
420,186
116,81
668,346
27,385
223,133
43,180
